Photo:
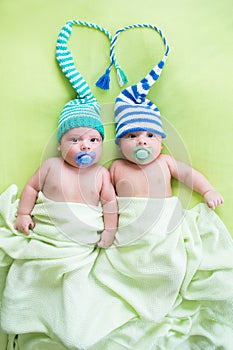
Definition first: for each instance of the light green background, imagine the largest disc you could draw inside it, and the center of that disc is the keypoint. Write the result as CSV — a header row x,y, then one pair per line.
x,y
194,93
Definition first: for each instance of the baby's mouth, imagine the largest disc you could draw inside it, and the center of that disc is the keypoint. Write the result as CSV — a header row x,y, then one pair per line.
x,y
142,153
84,159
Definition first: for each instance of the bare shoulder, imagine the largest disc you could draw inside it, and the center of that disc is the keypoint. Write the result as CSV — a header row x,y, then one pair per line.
x,y
101,169
52,162
118,163
102,172
165,158
178,169
117,166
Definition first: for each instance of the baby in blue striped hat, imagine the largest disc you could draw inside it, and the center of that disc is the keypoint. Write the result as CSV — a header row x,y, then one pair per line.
x,y
75,176
145,172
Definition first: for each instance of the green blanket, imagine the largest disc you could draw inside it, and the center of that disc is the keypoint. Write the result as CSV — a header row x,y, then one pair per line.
x,y
166,283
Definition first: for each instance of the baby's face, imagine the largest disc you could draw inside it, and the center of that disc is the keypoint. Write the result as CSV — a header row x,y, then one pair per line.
x,y
141,147
81,147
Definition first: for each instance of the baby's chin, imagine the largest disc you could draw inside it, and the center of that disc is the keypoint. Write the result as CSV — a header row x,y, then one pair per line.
x,y
142,163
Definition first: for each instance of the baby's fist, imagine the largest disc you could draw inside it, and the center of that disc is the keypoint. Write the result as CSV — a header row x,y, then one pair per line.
x,y
213,199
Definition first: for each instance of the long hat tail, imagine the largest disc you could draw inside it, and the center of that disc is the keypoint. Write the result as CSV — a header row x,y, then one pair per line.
x,y
154,74
66,61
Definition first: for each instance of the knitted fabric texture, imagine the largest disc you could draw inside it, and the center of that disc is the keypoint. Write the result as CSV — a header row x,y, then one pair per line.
x,y
133,111
76,114
85,109
131,116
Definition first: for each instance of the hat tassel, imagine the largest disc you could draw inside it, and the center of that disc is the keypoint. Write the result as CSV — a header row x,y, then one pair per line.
x,y
122,78
104,81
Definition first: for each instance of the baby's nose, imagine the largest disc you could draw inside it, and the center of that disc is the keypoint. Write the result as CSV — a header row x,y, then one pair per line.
x,y
142,141
85,146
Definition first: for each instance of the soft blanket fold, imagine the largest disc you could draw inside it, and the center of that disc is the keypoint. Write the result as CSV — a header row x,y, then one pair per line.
x,y
166,283
49,288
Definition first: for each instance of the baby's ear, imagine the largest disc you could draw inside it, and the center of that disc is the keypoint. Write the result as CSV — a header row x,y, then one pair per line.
x,y
59,147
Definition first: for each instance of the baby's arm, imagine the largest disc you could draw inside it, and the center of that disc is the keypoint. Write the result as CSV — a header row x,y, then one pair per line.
x,y
110,211
28,198
195,180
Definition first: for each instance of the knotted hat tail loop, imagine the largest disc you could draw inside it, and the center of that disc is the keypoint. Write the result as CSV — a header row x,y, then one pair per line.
x,y
152,76
85,109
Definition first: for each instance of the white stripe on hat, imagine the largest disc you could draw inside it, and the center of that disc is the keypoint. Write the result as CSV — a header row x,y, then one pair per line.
x,y
130,114
142,126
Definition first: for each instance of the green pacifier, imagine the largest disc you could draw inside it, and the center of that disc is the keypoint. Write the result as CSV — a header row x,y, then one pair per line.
x,y
142,154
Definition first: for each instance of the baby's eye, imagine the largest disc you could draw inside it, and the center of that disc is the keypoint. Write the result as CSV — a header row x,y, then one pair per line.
x,y
94,139
132,136
75,139
150,134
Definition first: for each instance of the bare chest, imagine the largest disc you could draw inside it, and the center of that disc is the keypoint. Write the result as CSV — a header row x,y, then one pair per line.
x,y
71,185
147,181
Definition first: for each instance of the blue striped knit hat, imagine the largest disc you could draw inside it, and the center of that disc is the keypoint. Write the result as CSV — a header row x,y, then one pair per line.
x,y
84,110
133,111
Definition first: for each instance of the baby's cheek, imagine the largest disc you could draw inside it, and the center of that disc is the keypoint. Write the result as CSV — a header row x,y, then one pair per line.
x,y
72,150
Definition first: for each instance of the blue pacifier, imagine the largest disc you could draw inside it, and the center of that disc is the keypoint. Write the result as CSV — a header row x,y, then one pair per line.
x,y
84,159
142,154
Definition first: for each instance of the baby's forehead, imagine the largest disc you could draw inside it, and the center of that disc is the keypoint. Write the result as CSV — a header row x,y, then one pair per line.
x,y
83,131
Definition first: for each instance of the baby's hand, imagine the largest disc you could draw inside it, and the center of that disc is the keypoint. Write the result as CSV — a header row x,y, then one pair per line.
x,y
23,223
107,238
213,199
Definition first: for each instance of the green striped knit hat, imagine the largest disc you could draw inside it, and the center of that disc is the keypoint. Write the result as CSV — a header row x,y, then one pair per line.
x,y
84,110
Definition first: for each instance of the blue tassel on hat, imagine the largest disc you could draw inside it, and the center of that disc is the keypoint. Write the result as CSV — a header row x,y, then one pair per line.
x,y
104,81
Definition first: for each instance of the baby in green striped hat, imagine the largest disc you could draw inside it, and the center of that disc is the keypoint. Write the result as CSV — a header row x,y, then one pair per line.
x,y
75,176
